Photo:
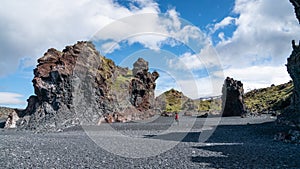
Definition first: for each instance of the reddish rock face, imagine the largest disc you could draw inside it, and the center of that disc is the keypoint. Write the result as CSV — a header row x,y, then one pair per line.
x,y
79,86
232,98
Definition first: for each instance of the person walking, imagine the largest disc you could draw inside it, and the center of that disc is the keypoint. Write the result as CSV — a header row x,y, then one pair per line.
x,y
177,118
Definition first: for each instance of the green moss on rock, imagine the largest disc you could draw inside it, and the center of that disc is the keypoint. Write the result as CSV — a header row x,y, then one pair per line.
x,y
272,98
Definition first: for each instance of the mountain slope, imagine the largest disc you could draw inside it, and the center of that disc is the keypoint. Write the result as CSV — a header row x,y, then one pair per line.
x,y
274,98
171,101
174,101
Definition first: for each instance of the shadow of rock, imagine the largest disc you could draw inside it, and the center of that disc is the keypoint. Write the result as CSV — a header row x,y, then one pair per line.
x,y
247,146
177,136
256,156
2,124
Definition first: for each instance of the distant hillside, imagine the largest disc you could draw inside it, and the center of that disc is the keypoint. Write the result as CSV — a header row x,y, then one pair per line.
x,y
175,101
269,99
171,101
211,104
273,98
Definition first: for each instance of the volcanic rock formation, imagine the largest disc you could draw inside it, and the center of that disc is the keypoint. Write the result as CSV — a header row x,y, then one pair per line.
x,y
142,87
291,115
232,98
11,120
79,86
296,4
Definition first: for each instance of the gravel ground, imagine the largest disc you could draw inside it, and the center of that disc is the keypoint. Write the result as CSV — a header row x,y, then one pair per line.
x,y
234,143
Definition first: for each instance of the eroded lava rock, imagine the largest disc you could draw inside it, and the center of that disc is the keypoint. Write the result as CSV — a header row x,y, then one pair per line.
x,y
291,115
11,120
143,85
79,86
232,98
296,4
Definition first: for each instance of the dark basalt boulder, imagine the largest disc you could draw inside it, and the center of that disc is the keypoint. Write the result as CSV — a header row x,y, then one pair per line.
x,y
232,98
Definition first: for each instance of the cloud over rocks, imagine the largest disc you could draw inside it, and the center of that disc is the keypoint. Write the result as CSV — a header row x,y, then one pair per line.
x,y
150,30
28,28
256,51
255,77
207,58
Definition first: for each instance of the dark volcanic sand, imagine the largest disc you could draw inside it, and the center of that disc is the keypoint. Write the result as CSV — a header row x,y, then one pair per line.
x,y
236,143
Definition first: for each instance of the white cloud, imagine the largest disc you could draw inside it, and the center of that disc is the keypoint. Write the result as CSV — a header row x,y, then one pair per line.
x,y
29,28
263,36
189,83
150,40
207,58
187,33
190,61
256,77
7,98
257,50
255,54
109,47
225,22
152,30
221,35
201,87
194,88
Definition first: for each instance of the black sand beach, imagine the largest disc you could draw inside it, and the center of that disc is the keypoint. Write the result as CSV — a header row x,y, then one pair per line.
x,y
235,143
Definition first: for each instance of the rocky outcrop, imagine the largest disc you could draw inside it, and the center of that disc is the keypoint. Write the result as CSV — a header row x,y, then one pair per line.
x,y
296,4
291,114
78,86
143,85
63,84
12,119
232,98
5,111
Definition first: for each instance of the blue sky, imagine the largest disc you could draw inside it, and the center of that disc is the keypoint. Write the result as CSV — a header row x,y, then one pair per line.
x,y
193,44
